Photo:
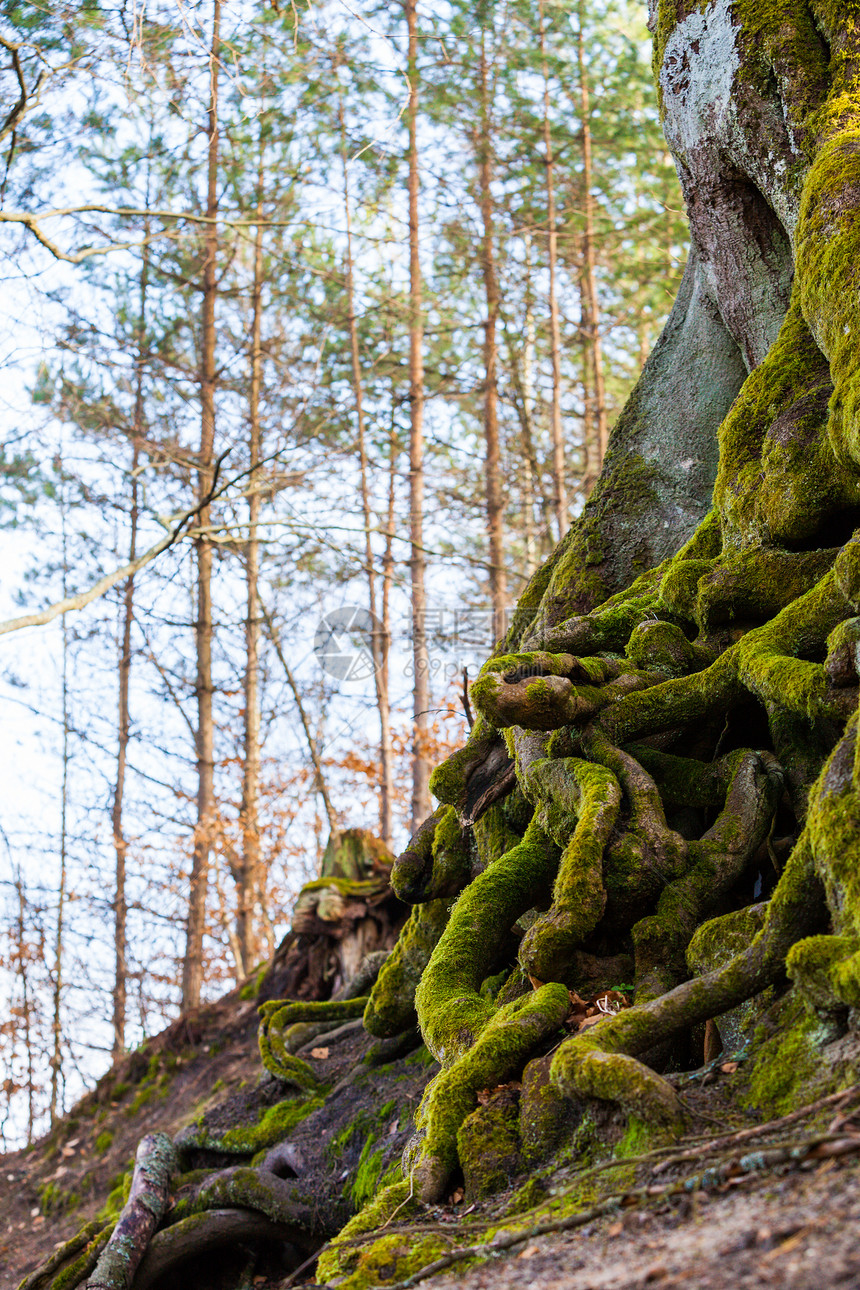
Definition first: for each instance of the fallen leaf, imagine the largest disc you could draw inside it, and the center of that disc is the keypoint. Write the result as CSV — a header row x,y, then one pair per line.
x,y
786,1247
319,1052
615,1230
529,1252
591,1020
536,984
729,1068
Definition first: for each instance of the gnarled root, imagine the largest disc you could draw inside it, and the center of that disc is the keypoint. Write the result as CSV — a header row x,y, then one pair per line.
x,y
580,1066
198,1235
451,1012
589,795
500,1052
154,1167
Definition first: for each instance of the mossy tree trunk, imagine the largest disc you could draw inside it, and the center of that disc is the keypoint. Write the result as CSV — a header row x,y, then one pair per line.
x,y
673,712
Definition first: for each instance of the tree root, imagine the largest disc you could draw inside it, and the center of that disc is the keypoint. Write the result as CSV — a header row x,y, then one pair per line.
x,y
390,1009
590,793
87,1244
286,1026
154,1167
601,1061
198,1235
451,1011
505,1042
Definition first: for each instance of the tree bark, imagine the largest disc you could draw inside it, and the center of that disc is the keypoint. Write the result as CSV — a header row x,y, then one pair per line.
x,y
192,966
377,629
558,454
119,841
57,1001
250,872
420,660
601,428
492,452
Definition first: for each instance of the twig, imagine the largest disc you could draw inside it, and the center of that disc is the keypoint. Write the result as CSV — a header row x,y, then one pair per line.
x,y
743,1135
824,1146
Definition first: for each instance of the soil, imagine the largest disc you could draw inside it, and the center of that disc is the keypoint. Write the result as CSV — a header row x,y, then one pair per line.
x,y
790,1226
797,1232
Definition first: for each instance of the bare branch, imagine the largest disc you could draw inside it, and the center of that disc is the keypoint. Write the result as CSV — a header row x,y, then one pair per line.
x,y
104,584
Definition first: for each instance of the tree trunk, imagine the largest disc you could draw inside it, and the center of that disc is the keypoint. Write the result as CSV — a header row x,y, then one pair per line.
x,y
123,724
56,1107
420,660
558,455
377,628
192,966
250,870
492,453
601,429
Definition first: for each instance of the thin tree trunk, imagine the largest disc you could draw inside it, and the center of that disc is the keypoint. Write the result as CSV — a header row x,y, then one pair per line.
x,y
56,1108
249,869
387,582
590,443
192,967
421,665
558,463
525,414
313,747
24,978
492,459
600,424
380,675
119,842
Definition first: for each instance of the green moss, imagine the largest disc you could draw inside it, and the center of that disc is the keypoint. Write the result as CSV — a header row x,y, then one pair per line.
x,y
589,798
488,1146
53,1200
450,1008
273,1126
102,1142
508,1036
251,988
391,1007
118,1195
787,1070
338,1259
76,1272
367,1173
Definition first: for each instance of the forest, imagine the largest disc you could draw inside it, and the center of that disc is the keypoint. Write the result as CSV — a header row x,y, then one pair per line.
x,y
272,152
431,479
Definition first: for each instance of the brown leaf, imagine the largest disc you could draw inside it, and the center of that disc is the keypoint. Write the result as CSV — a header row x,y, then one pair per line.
x,y
615,1230
536,984
319,1052
729,1068
591,1020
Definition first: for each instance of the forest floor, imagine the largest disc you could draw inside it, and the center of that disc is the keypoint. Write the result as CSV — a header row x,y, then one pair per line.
x,y
784,1227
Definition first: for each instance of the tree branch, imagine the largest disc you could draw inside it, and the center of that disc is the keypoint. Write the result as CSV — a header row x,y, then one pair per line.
x,y
83,598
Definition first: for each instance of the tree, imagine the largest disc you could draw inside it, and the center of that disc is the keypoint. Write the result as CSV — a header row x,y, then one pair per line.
x,y
670,730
